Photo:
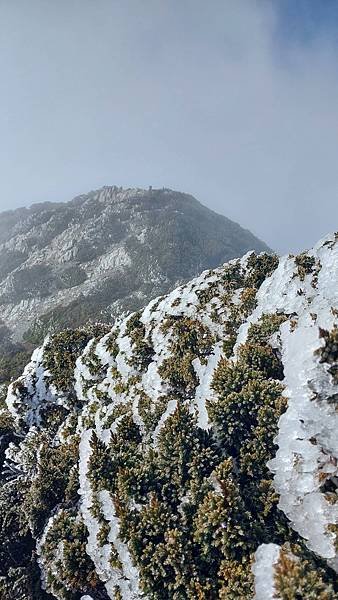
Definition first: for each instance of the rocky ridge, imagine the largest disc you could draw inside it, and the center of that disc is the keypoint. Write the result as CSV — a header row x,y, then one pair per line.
x,y
113,249
103,253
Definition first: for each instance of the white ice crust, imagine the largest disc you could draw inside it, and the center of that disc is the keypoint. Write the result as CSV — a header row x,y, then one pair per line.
x,y
266,557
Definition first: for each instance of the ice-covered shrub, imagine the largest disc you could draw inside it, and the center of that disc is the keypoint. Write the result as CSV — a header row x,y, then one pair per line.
x,y
191,451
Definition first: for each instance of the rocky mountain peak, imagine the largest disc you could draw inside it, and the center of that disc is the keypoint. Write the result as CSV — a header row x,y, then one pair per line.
x,y
105,252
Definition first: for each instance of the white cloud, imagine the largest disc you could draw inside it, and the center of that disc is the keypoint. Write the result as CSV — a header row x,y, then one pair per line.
x,y
202,97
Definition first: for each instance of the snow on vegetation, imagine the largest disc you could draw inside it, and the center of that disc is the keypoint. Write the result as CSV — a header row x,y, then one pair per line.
x,y
266,557
196,434
305,465
31,394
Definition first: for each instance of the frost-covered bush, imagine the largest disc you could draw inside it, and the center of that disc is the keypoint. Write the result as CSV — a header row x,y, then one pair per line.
x,y
284,573
188,453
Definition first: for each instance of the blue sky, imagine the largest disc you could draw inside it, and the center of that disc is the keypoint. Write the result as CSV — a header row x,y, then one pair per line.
x,y
234,101
302,21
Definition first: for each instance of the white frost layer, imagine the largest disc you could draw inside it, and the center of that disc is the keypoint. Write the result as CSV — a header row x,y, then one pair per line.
x,y
266,557
98,554
205,373
53,567
39,551
38,394
307,440
82,372
127,579
171,407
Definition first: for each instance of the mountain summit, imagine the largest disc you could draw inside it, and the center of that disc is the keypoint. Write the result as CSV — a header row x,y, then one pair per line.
x,y
102,253
114,249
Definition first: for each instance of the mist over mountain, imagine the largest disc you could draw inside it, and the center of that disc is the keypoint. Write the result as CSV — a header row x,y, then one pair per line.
x,y
103,253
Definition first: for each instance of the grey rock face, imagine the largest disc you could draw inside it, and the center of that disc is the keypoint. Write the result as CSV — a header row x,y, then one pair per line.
x,y
105,252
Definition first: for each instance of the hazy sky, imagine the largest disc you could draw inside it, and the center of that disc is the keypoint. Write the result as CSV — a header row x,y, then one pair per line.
x,y
234,101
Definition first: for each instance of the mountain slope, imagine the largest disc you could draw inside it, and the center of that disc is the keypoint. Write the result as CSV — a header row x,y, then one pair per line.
x,y
188,452
109,251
